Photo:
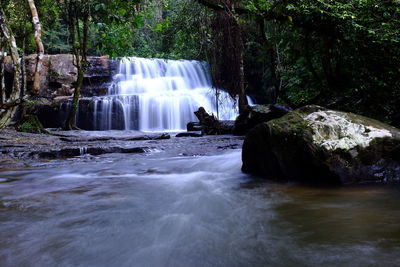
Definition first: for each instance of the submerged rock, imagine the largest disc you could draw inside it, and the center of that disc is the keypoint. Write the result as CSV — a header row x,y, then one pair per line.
x,y
253,115
321,146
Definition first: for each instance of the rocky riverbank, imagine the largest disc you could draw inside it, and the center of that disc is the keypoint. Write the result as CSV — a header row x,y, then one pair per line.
x,y
19,149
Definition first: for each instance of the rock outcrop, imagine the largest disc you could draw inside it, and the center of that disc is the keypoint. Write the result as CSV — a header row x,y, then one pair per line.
x,y
320,146
253,115
58,75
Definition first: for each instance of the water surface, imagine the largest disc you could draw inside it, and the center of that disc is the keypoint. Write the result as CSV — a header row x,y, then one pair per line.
x,y
146,210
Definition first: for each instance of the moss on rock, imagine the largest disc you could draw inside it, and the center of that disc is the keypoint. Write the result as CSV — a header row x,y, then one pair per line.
x,y
254,115
338,148
30,124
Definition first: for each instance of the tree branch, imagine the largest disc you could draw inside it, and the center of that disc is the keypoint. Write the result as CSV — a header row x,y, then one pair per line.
x,y
218,7
315,25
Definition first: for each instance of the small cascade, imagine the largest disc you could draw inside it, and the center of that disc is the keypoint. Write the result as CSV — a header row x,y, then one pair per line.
x,y
156,95
83,150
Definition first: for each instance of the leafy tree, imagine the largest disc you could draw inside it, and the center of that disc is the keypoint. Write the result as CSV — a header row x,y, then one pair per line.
x,y
8,109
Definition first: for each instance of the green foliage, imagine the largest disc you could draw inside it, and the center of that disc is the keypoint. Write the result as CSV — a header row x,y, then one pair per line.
x,y
55,39
171,29
30,124
331,52
18,15
339,53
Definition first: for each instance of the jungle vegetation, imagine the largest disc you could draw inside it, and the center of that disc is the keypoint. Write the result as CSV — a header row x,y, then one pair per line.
x,y
342,54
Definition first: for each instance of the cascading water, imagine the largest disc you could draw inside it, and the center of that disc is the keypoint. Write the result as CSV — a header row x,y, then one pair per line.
x,y
159,95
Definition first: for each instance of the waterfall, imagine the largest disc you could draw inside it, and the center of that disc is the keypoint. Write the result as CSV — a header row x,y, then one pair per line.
x,y
158,95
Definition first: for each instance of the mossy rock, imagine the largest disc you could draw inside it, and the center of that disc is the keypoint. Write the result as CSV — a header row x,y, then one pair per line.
x,y
282,150
254,115
30,124
320,146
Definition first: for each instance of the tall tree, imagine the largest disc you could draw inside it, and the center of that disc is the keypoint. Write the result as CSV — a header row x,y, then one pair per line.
x,y
77,16
2,74
9,109
39,44
228,50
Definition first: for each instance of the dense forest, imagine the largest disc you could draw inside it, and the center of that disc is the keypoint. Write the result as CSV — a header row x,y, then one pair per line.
x,y
339,54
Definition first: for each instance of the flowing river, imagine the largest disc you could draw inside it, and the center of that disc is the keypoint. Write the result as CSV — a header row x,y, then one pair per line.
x,y
154,210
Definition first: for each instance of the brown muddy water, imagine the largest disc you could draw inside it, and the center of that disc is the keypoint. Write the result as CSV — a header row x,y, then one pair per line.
x,y
156,210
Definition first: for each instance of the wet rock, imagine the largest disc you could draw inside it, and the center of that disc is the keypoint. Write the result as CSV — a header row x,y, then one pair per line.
x,y
99,67
226,127
189,134
162,136
21,149
193,126
233,146
97,78
253,115
210,125
321,146
47,111
73,152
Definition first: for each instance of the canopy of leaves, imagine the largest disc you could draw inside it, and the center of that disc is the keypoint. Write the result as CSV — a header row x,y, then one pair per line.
x,y
339,53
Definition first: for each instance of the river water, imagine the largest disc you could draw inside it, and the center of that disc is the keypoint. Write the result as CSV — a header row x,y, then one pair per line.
x,y
151,210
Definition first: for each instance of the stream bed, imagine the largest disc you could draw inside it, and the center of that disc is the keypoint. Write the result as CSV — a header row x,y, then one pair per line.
x,y
151,209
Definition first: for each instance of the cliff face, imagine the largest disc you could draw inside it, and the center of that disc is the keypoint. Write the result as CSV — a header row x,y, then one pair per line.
x,y
58,75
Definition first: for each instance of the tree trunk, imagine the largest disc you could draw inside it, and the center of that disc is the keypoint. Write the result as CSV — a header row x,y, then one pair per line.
x,y
2,74
77,13
227,54
70,123
39,44
23,78
234,35
242,89
7,114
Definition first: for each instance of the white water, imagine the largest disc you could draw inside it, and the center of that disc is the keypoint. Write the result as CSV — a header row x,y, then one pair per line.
x,y
159,95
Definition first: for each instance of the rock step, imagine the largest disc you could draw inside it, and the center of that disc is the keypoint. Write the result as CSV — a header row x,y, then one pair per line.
x,y
189,134
74,152
110,138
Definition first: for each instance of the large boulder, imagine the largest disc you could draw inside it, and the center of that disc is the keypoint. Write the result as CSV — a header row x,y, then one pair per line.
x,y
320,146
254,115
